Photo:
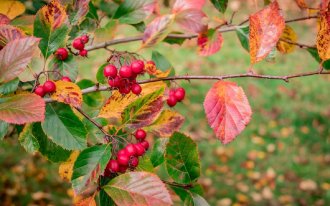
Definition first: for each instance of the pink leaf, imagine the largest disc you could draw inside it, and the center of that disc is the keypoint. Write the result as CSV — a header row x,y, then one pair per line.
x,y
181,5
4,19
209,43
227,110
9,33
192,20
81,8
15,56
22,108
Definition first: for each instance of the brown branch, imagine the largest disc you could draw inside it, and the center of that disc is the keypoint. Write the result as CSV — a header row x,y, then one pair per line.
x,y
180,36
303,46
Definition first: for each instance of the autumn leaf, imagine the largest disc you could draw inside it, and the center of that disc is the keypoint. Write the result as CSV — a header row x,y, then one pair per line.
x,y
89,201
192,20
181,5
301,4
209,43
68,93
9,33
288,35
11,8
15,56
80,9
4,20
227,110
17,110
152,70
66,168
323,36
266,27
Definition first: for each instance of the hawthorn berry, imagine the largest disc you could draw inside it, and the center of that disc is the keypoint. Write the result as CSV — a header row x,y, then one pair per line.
x,y
125,71
122,168
114,82
171,101
78,44
49,86
113,166
136,89
179,94
66,79
145,144
133,162
140,150
83,53
110,71
123,159
124,89
84,38
40,91
140,134
61,54
137,66
130,150
122,152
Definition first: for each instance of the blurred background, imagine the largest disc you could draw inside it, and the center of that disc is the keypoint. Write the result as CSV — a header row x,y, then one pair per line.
x,y
281,158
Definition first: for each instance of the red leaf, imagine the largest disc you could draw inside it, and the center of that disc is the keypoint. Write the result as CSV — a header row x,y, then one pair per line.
x,y
22,108
181,5
192,20
9,33
266,27
209,43
324,6
227,110
4,19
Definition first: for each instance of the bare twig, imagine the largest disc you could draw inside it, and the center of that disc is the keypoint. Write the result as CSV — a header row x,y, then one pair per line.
x,y
303,46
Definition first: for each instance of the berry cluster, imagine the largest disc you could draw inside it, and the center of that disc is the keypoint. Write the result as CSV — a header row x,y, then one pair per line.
x,y
79,44
175,95
125,79
128,157
48,87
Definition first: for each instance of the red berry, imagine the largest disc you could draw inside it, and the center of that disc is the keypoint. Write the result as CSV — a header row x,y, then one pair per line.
x,y
83,53
123,159
172,92
124,89
171,101
122,168
140,134
78,44
49,87
179,94
113,166
62,54
66,79
139,149
40,91
110,71
122,152
136,89
114,82
151,62
137,66
145,144
125,71
134,162
84,39
130,150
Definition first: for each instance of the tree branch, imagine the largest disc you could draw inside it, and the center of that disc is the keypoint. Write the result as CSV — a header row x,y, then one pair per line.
x,y
181,36
303,46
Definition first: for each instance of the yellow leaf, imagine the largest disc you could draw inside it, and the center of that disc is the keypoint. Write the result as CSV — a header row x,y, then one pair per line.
x,y
65,169
68,93
117,103
11,8
323,36
152,70
288,35
89,201
53,14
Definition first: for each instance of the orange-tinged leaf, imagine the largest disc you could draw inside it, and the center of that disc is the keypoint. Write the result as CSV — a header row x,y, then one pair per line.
x,y
68,93
4,20
209,43
227,110
9,33
11,8
324,5
89,201
168,122
323,36
301,4
181,5
53,14
66,168
266,27
22,108
289,35
152,70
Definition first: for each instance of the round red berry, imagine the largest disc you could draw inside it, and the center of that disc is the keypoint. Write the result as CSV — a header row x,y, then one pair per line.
x,y
136,89
61,54
122,168
125,71
40,91
145,144
137,66
83,53
140,134
124,89
49,87
113,166
130,150
151,62
171,101
134,162
84,39
140,150
114,82
122,152
172,92
78,44
110,71
123,159
66,79
179,94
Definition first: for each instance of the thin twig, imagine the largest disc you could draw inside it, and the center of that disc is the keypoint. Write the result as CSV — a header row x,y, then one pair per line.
x,y
304,46
100,127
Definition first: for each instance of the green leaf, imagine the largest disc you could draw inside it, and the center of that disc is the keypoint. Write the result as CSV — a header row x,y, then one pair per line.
x,y
138,188
195,200
172,40
139,26
99,75
220,5
68,67
92,13
315,54
184,193
63,127
3,129
48,148
104,199
28,141
158,151
94,99
243,36
106,32
9,87
145,164
133,11
90,163
162,63
181,159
